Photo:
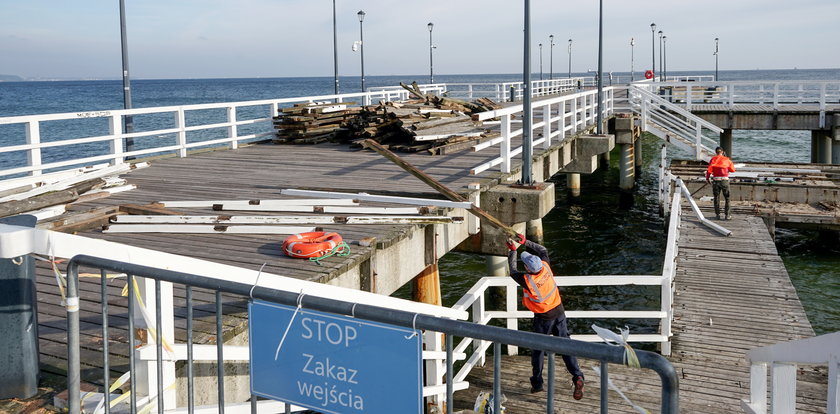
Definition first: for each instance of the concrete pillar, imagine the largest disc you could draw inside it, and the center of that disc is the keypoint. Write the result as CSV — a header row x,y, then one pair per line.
x,y
534,231
824,142
815,147
604,160
637,155
726,141
626,167
426,287
573,182
497,265
835,139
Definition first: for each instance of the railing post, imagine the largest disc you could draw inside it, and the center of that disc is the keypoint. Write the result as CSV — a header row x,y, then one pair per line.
x,y
477,316
688,96
512,321
833,400
433,341
775,96
181,124
232,130
573,123
73,357
758,387
546,112
731,91
783,393
822,105
33,137
698,141
116,145
504,147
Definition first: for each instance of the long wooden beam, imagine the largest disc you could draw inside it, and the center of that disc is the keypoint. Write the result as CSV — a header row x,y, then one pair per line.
x,y
448,193
286,220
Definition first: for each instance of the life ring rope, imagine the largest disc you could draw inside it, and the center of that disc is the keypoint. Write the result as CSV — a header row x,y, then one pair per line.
x,y
315,246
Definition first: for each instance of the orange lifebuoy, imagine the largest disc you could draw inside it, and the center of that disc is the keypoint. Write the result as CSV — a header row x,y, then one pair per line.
x,y
648,74
312,244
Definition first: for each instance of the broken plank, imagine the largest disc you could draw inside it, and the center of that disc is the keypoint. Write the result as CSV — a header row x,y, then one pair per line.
x,y
377,198
147,209
204,229
328,209
286,219
232,203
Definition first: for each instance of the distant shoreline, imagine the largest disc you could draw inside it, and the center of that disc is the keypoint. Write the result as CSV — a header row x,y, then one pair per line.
x,y
17,78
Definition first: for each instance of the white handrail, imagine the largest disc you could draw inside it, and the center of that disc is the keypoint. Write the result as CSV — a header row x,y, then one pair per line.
x,y
783,358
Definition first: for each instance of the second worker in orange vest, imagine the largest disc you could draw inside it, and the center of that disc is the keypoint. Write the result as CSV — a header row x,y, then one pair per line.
x,y
541,296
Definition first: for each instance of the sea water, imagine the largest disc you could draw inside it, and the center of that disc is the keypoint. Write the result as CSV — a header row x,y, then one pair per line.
x,y
590,236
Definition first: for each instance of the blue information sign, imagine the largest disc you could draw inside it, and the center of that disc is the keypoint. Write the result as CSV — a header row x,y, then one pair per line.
x,y
331,363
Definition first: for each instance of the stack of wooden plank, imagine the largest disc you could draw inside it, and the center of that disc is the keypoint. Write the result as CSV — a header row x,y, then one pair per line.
x,y
426,122
53,197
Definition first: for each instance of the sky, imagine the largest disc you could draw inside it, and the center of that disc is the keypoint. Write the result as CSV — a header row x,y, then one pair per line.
x,y
287,38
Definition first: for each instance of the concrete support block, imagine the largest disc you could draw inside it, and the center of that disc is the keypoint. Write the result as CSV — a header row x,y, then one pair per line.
x,y
626,167
534,231
573,183
490,241
516,204
587,149
835,138
815,147
726,141
624,130
824,141
604,160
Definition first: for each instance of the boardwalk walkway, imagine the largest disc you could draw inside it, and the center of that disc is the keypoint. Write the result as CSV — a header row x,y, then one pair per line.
x,y
733,294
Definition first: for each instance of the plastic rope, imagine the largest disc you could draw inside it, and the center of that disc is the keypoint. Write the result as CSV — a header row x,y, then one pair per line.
x,y
342,249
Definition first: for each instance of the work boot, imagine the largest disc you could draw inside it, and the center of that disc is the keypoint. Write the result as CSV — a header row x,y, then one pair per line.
x,y
535,390
728,216
578,392
717,216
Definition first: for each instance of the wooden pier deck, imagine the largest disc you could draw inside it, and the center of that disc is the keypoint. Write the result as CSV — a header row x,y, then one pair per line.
x,y
732,295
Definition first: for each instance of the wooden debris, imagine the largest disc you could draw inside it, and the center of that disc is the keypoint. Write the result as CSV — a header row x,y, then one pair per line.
x,y
148,209
203,229
80,221
425,123
285,220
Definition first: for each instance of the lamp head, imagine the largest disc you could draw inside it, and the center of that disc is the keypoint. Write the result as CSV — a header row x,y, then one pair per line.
x,y
653,27
431,26
361,15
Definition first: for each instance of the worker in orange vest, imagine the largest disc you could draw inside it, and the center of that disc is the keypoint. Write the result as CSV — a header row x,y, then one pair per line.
x,y
542,296
718,174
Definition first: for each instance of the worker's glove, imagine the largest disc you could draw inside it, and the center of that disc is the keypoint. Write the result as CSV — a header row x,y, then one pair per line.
x,y
520,238
511,245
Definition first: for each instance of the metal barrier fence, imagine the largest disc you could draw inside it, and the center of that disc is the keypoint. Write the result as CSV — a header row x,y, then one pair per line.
x,y
605,353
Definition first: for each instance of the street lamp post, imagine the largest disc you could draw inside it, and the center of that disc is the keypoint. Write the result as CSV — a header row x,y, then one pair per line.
x,y
541,71
600,118
661,68
128,123
335,49
527,120
361,15
653,48
665,57
431,26
716,58
551,57
570,58
632,69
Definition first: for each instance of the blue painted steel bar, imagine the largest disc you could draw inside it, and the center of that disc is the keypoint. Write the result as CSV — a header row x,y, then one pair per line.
x,y
132,359
450,400
106,363
253,404
159,347
605,387
190,381
73,370
563,346
497,377
220,365
549,404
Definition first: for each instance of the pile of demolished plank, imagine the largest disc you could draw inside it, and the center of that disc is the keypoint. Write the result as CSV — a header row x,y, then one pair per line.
x,y
426,122
54,198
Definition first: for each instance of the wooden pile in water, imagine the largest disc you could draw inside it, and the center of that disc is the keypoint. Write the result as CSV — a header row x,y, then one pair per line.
x,y
426,122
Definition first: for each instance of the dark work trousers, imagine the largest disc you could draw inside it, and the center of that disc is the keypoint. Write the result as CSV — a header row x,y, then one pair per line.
x,y
721,186
556,327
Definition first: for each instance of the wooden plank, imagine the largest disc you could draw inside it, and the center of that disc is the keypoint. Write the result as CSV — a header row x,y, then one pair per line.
x,y
204,229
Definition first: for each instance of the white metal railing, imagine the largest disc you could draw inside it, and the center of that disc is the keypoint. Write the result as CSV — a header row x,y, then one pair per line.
x,y
782,360
671,122
558,117
475,302
773,93
500,91
159,130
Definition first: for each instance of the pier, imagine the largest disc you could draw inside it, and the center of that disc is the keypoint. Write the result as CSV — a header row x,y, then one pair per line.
x,y
720,297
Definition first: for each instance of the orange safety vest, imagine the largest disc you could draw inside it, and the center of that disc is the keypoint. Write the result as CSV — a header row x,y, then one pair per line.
x,y
540,294
720,166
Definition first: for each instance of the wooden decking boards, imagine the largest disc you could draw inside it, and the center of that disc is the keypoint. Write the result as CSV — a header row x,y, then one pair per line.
x,y
732,295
